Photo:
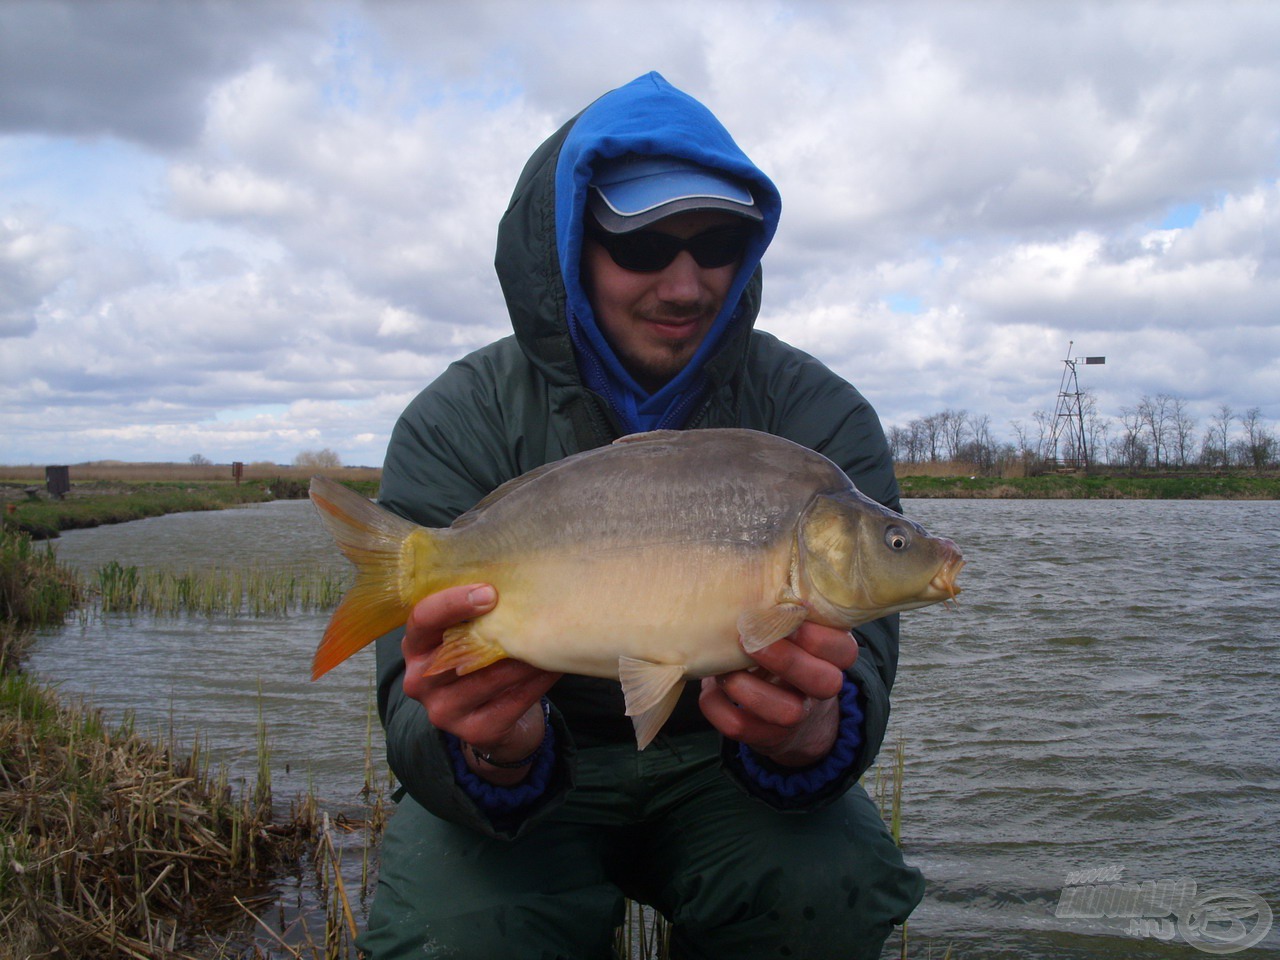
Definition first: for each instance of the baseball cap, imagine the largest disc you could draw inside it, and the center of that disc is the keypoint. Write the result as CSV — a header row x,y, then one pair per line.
x,y
633,192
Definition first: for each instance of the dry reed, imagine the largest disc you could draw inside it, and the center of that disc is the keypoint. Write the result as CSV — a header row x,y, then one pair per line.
x,y
114,845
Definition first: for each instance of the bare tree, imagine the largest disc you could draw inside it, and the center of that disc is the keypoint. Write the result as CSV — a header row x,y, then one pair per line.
x,y
953,426
1095,428
1217,439
981,449
899,443
1019,438
312,459
1130,449
1044,430
1158,432
1259,444
1183,426
1153,417
199,460
931,434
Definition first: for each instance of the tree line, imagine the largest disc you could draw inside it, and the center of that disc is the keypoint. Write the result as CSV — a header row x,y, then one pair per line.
x,y
307,458
1156,433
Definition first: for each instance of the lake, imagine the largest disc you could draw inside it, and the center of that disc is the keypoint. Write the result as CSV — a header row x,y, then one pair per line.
x,y
1092,739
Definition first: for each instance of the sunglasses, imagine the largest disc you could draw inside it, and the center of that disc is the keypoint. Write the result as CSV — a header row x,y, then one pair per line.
x,y
647,251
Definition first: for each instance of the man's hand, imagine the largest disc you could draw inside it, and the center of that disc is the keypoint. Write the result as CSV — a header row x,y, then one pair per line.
x,y
787,707
495,710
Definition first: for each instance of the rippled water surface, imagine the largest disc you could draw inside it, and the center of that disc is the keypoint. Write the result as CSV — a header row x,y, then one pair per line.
x,y
1104,699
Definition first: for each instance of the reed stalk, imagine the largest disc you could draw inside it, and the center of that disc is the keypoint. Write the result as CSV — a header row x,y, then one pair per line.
x,y
110,844
35,591
216,591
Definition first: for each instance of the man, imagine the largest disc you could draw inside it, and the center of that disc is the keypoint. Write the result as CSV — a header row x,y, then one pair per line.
x,y
629,258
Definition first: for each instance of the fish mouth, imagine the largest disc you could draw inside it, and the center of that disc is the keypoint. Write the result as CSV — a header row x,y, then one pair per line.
x,y
943,583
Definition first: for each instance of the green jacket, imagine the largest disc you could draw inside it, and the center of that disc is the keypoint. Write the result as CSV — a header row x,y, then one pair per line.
x,y
520,403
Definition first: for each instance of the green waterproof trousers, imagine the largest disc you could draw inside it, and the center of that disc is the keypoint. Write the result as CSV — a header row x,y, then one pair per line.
x,y
665,827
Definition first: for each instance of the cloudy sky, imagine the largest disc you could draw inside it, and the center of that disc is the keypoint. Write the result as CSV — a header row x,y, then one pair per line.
x,y
243,230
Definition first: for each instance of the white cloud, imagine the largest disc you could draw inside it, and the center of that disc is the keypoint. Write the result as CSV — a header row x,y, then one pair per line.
x,y
288,229
35,259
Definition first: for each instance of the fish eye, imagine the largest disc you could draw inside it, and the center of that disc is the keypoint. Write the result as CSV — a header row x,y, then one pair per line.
x,y
897,539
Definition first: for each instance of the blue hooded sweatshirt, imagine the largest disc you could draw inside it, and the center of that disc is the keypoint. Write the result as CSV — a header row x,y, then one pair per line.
x,y
648,117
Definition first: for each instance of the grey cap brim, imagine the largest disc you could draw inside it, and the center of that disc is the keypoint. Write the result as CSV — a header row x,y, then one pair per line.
x,y
633,192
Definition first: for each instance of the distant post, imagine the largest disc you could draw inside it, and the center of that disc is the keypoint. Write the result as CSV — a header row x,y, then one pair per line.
x,y
57,480
237,471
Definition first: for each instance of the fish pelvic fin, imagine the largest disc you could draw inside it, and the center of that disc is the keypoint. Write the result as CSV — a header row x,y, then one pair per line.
x,y
651,691
464,650
759,628
379,544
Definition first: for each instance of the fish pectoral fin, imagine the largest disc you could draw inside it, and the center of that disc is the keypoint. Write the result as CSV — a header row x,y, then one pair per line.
x,y
464,650
651,691
759,628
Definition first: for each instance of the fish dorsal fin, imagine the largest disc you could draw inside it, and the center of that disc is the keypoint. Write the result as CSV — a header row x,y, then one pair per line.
x,y
648,436
759,628
464,650
651,691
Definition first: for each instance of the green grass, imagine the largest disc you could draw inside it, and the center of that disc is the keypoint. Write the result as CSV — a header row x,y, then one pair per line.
x,y
35,591
95,503
89,508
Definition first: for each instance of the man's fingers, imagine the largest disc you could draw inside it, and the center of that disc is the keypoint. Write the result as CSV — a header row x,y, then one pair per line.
x,y
431,616
481,706
811,675
827,643
775,704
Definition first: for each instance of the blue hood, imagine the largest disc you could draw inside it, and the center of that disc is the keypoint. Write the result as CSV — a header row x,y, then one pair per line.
x,y
647,116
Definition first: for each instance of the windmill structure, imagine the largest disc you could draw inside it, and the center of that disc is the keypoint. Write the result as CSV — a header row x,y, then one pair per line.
x,y
1068,445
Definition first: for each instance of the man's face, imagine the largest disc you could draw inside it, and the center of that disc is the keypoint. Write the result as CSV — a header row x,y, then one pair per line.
x,y
656,321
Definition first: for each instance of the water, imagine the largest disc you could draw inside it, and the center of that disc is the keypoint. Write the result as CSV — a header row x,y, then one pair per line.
x,y
1103,700
208,677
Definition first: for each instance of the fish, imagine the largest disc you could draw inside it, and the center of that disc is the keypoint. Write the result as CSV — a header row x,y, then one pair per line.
x,y
666,556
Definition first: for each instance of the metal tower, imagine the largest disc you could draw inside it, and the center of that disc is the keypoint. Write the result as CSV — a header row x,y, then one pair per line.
x,y
1068,418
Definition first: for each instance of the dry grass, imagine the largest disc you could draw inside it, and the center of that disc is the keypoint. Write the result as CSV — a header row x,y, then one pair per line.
x,y
938,468
115,846
116,471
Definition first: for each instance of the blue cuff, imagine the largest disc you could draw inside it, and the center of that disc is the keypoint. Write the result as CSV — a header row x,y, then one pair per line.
x,y
498,800
806,781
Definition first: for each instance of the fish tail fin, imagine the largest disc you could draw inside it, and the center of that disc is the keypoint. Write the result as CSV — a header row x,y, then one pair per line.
x,y
380,544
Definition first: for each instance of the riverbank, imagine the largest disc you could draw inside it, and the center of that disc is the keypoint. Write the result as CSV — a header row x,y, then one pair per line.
x,y
97,502
118,845
110,844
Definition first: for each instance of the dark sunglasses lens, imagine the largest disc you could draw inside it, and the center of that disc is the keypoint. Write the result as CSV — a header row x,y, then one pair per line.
x,y
718,247
643,252
648,251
